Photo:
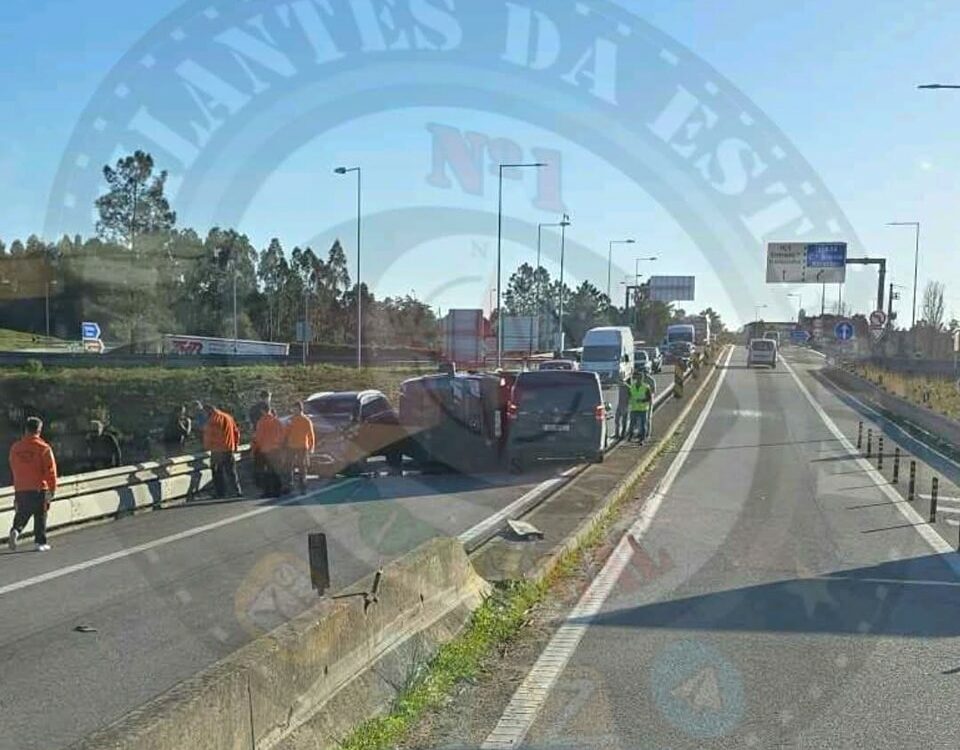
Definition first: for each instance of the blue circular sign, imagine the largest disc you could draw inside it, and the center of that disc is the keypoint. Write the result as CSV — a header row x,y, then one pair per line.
x,y
843,330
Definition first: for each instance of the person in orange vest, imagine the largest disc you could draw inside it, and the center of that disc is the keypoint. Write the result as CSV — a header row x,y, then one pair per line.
x,y
300,441
34,471
268,441
221,437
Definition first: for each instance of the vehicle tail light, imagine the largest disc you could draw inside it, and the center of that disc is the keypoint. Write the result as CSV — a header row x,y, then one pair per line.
x,y
511,410
599,412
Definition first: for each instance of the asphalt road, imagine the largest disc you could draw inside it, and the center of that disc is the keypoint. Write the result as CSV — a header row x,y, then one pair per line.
x,y
164,594
773,596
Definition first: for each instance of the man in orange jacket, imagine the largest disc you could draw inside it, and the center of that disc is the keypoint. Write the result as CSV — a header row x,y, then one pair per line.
x,y
300,444
34,481
221,437
268,441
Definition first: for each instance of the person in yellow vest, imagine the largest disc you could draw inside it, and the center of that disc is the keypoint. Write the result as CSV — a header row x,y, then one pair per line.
x,y
641,397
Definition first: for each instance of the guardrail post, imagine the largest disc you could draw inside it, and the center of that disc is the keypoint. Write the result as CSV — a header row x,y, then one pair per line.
x,y
934,489
860,435
870,443
911,491
880,452
896,465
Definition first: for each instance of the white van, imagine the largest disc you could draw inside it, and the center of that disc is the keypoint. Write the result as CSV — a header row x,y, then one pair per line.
x,y
608,351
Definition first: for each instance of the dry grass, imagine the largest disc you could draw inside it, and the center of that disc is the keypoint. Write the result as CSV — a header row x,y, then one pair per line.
x,y
940,394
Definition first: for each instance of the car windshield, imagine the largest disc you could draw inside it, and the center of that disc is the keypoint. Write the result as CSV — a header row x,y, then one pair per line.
x,y
763,345
332,407
601,353
640,356
566,393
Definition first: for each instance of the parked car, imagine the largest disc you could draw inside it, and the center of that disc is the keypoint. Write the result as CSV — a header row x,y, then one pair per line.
x,y
352,426
762,352
559,364
654,355
557,415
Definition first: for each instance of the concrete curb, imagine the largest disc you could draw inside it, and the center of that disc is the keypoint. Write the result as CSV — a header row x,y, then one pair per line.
x,y
82,498
312,680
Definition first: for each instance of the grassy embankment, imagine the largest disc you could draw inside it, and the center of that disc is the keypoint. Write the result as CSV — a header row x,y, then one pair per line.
x,y
939,394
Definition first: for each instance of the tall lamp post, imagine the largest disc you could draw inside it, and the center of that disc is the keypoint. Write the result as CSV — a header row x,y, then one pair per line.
x,y
610,258
916,250
636,268
564,223
756,317
539,283
799,303
342,171
532,165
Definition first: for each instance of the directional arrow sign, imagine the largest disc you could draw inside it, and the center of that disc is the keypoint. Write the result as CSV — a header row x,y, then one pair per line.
x,y
843,330
89,330
799,336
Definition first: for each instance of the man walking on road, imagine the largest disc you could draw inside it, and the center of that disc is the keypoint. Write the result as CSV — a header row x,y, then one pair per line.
x,y
301,441
268,451
34,482
641,396
221,437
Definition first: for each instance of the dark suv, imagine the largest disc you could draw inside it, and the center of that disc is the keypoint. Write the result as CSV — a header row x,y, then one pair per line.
x,y
352,426
557,415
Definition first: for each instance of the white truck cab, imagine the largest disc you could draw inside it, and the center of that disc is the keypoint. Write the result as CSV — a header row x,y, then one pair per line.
x,y
608,351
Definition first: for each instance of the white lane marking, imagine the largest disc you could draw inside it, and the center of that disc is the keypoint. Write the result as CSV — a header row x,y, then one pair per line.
x,y
532,694
894,425
941,499
936,542
146,546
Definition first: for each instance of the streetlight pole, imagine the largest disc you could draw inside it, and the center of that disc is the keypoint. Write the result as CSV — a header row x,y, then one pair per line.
x,y
564,223
341,171
46,294
636,268
916,226
534,165
539,282
610,258
235,328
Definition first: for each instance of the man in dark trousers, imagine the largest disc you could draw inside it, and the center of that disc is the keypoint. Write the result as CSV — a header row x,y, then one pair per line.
x,y
256,413
103,448
34,472
623,409
221,437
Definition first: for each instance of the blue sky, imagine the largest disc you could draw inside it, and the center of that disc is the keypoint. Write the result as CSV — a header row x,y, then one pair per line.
x,y
837,77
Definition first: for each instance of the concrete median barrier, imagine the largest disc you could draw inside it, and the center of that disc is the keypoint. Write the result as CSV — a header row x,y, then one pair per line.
x,y
101,494
310,681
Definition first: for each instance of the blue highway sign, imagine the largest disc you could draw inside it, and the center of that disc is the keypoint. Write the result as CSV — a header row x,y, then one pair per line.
x,y
89,330
843,330
799,336
826,255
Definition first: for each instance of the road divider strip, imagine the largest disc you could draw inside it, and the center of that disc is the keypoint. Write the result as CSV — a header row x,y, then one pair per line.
x,y
530,697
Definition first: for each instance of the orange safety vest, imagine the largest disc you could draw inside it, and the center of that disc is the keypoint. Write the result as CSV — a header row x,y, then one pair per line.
x,y
220,433
300,435
269,435
33,465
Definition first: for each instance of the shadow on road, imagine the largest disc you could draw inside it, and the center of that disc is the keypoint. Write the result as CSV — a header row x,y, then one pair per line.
x,y
913,598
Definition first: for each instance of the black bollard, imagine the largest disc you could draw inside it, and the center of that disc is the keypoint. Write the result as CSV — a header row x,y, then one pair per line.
x,y
870,443
896,465
911,491
860,435
880,453
934,489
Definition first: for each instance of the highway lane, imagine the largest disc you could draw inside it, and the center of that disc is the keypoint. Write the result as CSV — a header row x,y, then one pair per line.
x,y
179,603
172,591
793,604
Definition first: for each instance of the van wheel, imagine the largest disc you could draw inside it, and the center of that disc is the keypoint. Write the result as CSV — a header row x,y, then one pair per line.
x,y
395,461
597,457
515,463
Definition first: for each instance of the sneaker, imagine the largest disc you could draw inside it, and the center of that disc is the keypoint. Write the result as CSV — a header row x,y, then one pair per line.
x,y
43,548
14,535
